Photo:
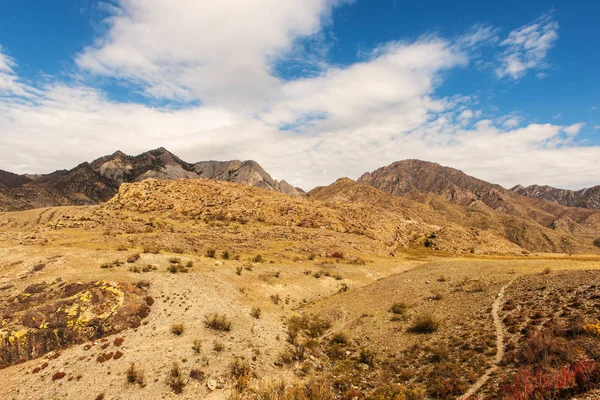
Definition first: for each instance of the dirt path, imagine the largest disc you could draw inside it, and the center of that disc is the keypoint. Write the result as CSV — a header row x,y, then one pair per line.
x,y
499,345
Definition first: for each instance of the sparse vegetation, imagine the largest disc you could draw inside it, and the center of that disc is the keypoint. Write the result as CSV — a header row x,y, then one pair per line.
x,y
135,375
197,346
256,312
424,324
217,322
211,253
177,329
175,379
398,308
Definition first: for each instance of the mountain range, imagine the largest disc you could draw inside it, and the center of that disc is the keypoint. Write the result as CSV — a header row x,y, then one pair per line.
x,y
98,181
446,202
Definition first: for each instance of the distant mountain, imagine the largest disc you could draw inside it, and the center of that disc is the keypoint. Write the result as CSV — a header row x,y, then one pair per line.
x,y
9,180
98,181
585,198
531,223
415,176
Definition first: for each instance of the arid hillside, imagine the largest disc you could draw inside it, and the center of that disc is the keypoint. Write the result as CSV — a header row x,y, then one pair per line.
x,y
204,289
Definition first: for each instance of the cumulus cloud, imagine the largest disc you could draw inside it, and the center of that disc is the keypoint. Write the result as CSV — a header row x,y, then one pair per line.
x,y
527,48
221,52
339,121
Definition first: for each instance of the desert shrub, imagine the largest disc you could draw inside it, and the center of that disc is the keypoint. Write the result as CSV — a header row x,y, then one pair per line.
x,y
447,381
318,274
133,258
275,298
239,270
118,341
143,284
337,254
173,269
367,356
197,345
311,390
225,255
256,312
197,374
117,355
239,368
257,259
341,338
175,260
442,278
436,295
438,354
210,253
597,242
189,264
547,271
424,324
217,322
317,326
343,288
175,379
398,308
218,346
177,329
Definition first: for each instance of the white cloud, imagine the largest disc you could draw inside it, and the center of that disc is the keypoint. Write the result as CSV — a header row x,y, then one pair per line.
x,y
221,52
9,81
527,48
596,127
511,122
340,121
574,129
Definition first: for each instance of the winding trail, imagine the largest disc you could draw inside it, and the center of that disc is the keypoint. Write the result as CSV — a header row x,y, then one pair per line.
x,y
499,345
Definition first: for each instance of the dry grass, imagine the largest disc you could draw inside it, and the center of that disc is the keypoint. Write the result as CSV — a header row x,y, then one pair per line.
x,y
217,322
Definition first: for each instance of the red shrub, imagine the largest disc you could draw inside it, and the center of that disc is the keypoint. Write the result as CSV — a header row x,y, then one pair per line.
x,y
117,355
118,341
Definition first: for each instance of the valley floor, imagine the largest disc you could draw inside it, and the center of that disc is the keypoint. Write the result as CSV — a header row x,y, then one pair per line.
x,y
423,323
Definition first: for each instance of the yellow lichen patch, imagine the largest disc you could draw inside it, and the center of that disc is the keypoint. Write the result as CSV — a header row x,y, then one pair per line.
x,y
592,328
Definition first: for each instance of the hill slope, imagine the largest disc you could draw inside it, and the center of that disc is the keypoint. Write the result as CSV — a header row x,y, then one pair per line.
x,y
531,223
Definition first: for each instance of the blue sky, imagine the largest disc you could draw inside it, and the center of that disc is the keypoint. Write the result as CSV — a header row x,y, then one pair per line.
x,y
313,89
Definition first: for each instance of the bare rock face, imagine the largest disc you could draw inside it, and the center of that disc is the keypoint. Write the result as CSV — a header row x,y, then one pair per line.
x,y
584,198
246,172
98,181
